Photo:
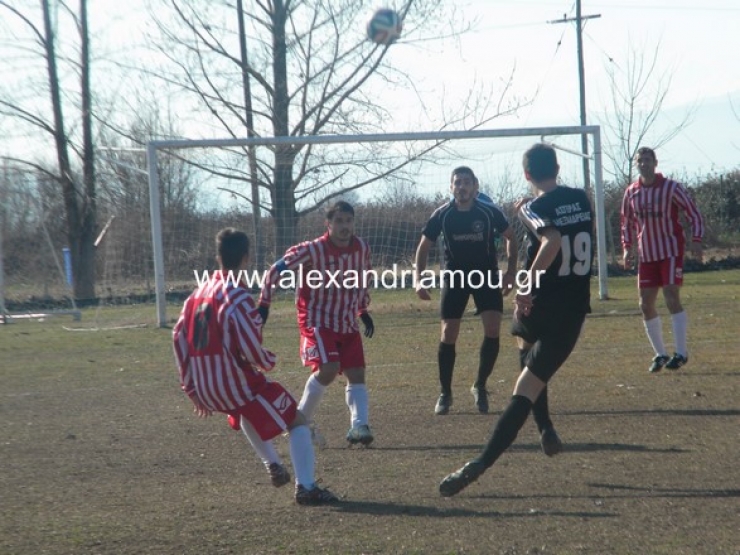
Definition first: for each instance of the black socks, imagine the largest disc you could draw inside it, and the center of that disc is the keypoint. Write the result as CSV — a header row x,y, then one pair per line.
x,y
488,355
446,360
506,430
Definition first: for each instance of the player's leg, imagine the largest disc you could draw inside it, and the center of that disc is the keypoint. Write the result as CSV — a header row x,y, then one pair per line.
x,y
527,331
320,352
551,444
303,457
352,361
649,282
547,355
452,307
528,387
489,304
271,412
673,269
265,449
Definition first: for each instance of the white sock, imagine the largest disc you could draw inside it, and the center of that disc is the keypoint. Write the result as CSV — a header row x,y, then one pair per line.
x,y
357,401
265,449
302,455
654,330
680,322
312,394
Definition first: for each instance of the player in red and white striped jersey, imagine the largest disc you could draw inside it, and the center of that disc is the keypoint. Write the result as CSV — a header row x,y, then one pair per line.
x,y
218,348
650,213
330,276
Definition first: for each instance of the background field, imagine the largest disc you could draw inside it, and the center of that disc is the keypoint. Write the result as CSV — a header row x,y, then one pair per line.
x,y
101,453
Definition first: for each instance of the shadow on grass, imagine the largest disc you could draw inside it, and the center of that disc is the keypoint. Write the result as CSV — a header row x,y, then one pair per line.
x,y
567,447
642,491
654,412
402,509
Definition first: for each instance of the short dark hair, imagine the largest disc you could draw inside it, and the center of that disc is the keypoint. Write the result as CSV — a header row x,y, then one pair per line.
x,y
231,245
463,170
646,150
339,206
540,162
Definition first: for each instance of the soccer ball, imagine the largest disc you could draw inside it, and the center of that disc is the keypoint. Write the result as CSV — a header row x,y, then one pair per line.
x,y
384,26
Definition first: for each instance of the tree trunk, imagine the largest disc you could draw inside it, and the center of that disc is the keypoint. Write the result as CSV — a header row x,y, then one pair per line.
x,y
80,206
85,274
286,217
283,201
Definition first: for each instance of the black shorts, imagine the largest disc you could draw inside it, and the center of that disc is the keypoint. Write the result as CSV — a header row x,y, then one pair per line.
x,y
455,299
553,335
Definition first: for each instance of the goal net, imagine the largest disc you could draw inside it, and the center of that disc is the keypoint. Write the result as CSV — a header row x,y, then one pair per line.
x,y
394,181
35,280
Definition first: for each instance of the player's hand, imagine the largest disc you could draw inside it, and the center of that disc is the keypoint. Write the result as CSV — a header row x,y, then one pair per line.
x,y
200,409
697,251
507,283
367,321
423,293
522,306
627,260
264,313
521,202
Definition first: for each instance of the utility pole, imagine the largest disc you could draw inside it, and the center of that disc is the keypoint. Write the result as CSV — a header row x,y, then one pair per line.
x,y
582,84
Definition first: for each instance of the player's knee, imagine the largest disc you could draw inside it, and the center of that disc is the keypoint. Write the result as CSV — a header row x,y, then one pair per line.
x,y
299,420
327,373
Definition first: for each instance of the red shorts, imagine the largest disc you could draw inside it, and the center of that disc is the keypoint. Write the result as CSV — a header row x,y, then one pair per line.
x,y
321,346
271,411
668,271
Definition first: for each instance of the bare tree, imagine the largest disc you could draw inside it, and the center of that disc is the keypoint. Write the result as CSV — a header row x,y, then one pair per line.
x,y
78,187
637,98
313,73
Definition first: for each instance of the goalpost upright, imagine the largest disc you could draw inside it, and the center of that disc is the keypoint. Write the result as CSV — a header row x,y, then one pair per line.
x,y
176,144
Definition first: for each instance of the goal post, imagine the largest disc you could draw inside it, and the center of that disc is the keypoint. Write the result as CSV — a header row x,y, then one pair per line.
x,y
154,148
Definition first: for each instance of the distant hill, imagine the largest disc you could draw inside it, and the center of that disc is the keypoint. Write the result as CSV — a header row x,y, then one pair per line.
x,y
710,144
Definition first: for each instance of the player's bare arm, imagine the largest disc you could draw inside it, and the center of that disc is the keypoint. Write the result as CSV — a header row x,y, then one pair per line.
x,y
549,249
512,252
697,250
627,258
422,255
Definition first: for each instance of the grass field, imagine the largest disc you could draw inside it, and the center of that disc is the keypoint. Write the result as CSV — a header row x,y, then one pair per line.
x,y
101,453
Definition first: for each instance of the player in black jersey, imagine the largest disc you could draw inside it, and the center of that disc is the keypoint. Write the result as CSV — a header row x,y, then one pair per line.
x,y
559,223
470,228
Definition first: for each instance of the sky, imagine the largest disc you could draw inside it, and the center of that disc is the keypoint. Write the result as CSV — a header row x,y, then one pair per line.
x,y
698,51
697,44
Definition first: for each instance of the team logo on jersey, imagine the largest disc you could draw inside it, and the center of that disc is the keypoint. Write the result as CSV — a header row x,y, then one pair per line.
x,y
310,352
679,273
282,403
478,226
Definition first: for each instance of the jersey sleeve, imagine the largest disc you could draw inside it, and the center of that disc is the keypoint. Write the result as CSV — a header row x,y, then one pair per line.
x,y
245,331
364,301
535,217
627,220
500,221
687,204
182,356
295,257
433,227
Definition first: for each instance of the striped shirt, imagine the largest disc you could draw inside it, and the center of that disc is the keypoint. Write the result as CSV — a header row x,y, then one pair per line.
x,y
330,282
651,214
218,346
